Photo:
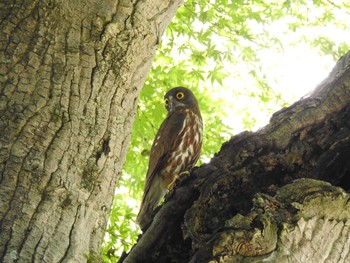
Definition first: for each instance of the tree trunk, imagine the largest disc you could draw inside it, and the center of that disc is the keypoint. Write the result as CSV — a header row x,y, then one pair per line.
x,y
70,74
275,195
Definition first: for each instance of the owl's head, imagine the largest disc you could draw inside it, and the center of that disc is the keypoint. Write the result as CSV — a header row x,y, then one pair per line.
x,y
180,97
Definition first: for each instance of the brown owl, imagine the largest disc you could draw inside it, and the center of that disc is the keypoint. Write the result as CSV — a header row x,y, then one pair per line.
x,y
174,151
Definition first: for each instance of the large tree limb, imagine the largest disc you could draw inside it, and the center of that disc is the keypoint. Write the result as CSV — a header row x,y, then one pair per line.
x,y
245,205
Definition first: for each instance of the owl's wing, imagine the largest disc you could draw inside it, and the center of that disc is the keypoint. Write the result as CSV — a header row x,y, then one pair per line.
x,y
164,143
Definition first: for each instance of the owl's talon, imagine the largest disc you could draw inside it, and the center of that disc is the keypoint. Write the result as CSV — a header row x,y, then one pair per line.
x,y
176,179
171,185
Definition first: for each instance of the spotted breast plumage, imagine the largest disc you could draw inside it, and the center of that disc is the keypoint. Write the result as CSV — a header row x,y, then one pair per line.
x,y
174,151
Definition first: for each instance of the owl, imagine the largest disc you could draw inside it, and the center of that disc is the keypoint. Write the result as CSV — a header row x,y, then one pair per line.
x,y
174,151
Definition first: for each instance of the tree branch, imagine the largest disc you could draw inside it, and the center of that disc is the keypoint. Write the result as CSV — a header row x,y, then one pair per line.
x,y
245,204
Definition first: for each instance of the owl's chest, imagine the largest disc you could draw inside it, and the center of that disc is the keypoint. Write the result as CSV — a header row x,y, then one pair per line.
x,y
186,148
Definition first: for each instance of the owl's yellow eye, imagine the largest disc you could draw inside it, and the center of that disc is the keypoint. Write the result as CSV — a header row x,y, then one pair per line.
x,y
166,102
180,95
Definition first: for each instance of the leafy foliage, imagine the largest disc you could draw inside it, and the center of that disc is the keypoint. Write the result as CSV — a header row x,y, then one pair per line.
x,y
221,50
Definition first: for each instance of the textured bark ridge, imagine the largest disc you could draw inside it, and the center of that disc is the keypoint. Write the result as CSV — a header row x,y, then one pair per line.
x,y
252,203
70,75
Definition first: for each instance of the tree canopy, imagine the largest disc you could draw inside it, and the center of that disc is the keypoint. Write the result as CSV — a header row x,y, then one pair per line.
x,y
225,51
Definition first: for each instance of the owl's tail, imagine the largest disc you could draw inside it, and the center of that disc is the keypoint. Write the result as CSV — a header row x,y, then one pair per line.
x,y
150,201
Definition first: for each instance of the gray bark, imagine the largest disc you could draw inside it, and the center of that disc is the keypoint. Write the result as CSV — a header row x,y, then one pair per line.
x,y
70,75
250,203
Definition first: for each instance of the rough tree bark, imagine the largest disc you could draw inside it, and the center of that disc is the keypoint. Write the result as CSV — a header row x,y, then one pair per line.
x,y
70,75
275,195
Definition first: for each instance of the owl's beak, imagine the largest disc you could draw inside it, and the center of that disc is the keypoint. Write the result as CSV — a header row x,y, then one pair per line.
x,y
173,103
